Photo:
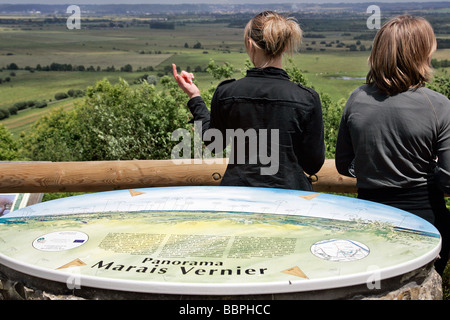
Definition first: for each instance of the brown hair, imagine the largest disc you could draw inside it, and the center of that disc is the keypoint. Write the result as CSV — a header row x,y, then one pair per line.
x,y
273,33
401,54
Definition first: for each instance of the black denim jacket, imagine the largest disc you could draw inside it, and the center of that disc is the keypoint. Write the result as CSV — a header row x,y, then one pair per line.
x,y
285,118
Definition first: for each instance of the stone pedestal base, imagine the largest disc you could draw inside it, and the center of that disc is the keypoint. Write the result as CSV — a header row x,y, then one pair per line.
x,y
421,284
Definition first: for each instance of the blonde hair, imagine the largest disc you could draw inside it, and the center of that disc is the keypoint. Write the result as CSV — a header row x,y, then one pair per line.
x,y
401,55
273,33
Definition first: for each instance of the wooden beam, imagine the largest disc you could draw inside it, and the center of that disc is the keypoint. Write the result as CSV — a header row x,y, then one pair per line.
x,y
95,176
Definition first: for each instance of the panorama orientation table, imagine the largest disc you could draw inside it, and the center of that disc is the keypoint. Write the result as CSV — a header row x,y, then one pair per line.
x,y
214,241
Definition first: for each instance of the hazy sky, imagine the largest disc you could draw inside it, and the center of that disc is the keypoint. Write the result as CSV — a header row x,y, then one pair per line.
x,y
79,2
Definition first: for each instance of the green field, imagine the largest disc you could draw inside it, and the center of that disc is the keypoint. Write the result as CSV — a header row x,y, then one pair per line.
x,y
142,48
328,68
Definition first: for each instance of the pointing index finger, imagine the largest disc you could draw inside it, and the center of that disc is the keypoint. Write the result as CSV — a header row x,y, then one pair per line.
x,y
174,70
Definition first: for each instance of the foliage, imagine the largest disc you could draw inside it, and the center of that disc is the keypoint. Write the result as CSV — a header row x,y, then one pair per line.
x,y
219,72
123,122
55,137
295,73
8,147
247,66
332,112
435,63
115,122
441,84
75,93
41,104
61,95
4,113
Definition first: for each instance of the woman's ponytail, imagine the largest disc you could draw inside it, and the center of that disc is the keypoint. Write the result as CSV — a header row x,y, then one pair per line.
x,y
273,33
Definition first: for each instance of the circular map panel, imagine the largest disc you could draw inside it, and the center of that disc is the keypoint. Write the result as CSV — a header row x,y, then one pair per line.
x,y
214,241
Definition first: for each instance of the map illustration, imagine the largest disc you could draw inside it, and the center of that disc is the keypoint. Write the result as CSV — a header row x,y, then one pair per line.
x,y
340,250
214,240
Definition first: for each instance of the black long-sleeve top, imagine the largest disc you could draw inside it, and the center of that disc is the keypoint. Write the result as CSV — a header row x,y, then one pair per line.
x,y
285,118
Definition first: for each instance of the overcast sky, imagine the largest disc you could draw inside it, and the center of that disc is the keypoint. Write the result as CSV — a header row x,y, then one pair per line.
x,y
79,2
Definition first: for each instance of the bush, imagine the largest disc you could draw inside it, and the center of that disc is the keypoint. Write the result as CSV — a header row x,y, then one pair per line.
x,y
21,105
152,79
31,103
8,147
441,84
4,114
12,110
41,104
61,95
75,93
115,122
53,137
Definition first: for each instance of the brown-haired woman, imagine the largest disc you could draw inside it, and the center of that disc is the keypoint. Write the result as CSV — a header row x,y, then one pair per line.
x,y
394,135
267,102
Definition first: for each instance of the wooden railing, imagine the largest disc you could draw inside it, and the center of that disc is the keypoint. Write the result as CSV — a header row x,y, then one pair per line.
x,y
94,176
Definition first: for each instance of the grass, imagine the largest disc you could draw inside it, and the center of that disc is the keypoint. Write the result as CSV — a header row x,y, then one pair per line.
x,y
137,46
26,118
44,85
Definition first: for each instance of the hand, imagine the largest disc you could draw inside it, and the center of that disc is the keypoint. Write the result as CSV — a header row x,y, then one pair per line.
x,y
184,81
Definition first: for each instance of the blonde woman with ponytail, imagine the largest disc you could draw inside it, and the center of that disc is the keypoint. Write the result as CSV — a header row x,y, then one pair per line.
x,y
285,117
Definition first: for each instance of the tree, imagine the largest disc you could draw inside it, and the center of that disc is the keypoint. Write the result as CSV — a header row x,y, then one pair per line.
x,y
127,68
152,79
8,147
219,72
115,122
54,137
12,66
